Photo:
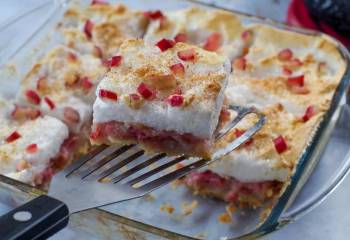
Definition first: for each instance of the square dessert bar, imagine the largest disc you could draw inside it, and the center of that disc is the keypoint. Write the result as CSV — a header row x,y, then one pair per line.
x,y
167,97
33,149
62,85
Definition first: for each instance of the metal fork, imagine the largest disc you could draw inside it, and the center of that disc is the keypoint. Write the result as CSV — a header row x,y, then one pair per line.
x,y
97,179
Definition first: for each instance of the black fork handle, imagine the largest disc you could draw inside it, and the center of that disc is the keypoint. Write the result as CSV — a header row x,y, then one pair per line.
x,y
40,218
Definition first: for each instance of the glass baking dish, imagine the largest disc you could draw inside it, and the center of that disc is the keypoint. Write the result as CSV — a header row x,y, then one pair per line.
x,y
142,218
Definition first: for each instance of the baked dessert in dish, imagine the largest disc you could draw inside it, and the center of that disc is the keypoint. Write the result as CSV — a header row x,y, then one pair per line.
x,y
33,149
164,79
217,31
166,97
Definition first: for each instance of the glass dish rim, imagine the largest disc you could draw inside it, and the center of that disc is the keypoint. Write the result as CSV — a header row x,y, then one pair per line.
x,y
273,222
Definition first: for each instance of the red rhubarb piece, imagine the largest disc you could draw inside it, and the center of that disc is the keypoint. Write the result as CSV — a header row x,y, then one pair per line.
x,y
145,91
178,69
72,57
153,15
71,116
88,28
97,132
247,36
94,135
13,137
165,44
296,85
49,103
33,97
103,93
295,63
134,96
238,132
187,55
296,81
286,71
309,113
175,100
115,61
32,148
285,55
99,2
181,37
213,42
86,83
239,63
280,144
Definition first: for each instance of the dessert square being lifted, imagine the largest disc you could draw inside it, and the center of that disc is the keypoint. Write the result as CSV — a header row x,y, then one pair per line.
x,y
167,97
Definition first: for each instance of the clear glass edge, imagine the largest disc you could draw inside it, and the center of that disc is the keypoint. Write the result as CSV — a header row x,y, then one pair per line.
x,y
18,17
15,19
307,159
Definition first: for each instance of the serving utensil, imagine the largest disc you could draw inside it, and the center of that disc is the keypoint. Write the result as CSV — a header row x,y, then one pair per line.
x,y
97,179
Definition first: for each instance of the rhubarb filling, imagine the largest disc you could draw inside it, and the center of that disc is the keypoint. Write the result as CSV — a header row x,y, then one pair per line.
x,y
62,159
154,140
232,190
158,141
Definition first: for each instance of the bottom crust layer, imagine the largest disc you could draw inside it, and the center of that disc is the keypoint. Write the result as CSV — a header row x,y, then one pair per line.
x,y
243,194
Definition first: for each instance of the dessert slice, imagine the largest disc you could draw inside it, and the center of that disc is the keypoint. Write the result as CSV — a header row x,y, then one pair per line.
x,y
64,70
167,97
62,85
218,31
32,150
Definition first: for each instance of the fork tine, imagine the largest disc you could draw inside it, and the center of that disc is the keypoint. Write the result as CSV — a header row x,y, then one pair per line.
x,y
106,160
172,176
84,159
241,139
156,170
241,113
121,164
136,168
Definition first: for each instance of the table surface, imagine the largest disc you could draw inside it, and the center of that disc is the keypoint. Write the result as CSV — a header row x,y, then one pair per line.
x,y
330,220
